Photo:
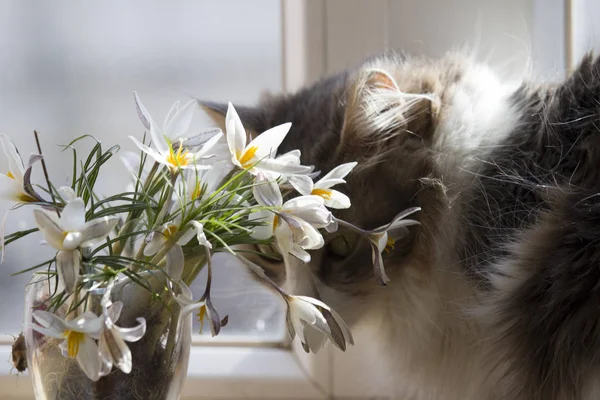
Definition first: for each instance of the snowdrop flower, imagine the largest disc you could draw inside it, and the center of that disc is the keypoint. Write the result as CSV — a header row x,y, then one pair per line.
x,y
200,184
15,183
384,238
333,199
168,151
204,306
175,257
294,223
112,346
258,155
310,319
69,233
314,321
78,335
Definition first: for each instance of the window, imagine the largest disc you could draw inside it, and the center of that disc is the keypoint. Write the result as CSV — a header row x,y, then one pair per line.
x,y
69,69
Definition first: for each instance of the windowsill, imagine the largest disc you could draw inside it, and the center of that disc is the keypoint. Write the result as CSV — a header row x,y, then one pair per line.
x,y
215,372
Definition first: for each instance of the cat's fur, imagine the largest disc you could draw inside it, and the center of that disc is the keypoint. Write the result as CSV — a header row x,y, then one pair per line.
x,y
496,295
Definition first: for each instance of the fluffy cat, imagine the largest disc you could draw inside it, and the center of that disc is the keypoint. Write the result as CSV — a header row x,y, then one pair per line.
x,y
496,294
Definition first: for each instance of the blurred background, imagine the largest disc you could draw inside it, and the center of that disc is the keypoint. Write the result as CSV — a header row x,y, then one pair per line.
x,y
69,68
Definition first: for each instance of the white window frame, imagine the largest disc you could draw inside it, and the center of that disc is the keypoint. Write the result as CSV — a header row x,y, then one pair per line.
x,y
257,370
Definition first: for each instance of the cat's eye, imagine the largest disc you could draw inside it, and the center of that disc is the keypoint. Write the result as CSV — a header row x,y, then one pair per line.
x,y
342,245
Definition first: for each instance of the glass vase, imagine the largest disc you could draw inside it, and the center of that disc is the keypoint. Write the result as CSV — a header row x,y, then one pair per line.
x,y
159,359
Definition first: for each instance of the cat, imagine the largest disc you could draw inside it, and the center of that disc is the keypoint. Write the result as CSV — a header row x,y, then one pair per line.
x,y
496,294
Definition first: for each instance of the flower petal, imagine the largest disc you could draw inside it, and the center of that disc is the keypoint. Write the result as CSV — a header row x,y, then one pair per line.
x,y
15,163
49,225
67,266
72,218
378,268
67,193
208,146
300,254
399,220
175,262
114,347
88,322
236,134
98,229
291,157
315,339
135,333
47,331
200,235
88,358
337,200
142,111
338,172
302,183
180,122
266,192
174,108
114,311
156,242
338,319
262,232
279,167
72,240
53,323
213,318
303,203
187,236
27,186
10,189
268,142
157,156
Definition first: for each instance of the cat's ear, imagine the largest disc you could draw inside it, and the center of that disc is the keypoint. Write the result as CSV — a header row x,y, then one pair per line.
x,y
378,109
252,118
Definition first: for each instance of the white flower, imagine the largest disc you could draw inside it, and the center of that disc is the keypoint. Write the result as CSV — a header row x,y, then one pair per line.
x,y
313,321
198,185
69,233
112,346
204,307
259,154
333,199
294,223
15,182
200,234
175,257
385,237
78,335
168,140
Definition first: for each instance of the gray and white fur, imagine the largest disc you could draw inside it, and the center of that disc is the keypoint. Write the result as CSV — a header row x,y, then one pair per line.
x,y
496,295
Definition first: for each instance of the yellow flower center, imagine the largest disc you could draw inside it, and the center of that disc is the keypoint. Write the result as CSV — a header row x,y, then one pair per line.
x,y
324,193
74,340
170,231
10,175
179,159
389,246
275,222
200,315
247,157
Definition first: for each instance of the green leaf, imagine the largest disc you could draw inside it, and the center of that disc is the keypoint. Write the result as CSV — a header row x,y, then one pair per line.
x,y
18,235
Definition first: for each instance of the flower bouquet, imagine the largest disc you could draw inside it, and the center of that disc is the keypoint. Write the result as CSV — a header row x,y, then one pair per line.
x,y
110,315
